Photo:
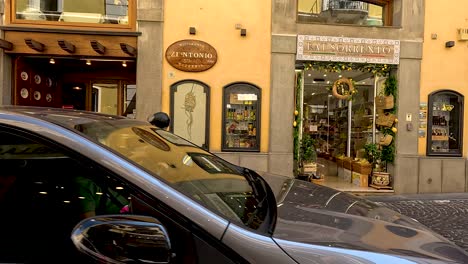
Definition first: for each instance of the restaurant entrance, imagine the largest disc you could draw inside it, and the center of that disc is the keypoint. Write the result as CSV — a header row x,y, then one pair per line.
x,y
105,86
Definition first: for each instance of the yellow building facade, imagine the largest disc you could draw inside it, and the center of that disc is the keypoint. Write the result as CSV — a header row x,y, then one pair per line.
x,y
444,67
240,58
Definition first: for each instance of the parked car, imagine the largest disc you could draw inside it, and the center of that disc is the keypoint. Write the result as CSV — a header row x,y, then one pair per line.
x,y
81,187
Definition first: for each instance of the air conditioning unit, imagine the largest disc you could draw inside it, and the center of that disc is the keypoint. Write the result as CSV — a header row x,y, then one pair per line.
x,y
463,33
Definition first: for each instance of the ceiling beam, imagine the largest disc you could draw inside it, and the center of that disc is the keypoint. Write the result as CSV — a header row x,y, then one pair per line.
x,y
98,47
66,46
128,49
35,45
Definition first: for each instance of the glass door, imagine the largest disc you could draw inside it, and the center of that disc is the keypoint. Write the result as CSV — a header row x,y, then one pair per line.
x,y
74,96
104,97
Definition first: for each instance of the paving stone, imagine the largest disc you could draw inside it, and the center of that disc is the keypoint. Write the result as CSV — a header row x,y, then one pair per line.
x,y
449,218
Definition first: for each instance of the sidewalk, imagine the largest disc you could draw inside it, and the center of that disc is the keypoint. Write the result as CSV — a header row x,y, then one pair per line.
x,y
412,197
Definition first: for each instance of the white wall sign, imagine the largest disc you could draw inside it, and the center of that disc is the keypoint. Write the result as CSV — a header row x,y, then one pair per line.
x,y
359,50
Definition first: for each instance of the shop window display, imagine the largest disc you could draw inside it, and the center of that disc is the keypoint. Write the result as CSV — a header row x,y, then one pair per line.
x,y
445,124
241,122
326,119
342,123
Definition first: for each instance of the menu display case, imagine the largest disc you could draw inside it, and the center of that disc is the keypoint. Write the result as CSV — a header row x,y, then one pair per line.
x,y
241,118
445,124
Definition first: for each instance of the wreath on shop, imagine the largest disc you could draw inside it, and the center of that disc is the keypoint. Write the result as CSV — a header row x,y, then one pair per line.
x,y
343,89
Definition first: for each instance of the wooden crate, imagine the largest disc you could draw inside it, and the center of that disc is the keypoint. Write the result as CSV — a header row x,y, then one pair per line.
x,y
347,163
339,161
362,168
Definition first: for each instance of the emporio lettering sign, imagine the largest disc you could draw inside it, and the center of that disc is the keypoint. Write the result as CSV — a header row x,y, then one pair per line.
x,y
359,50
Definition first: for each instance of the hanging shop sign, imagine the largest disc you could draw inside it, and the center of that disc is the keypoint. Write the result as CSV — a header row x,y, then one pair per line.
x,y
359,50
191,55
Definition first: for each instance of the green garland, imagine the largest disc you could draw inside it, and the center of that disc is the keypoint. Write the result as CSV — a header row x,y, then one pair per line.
x,y
298,119
331,66
388,152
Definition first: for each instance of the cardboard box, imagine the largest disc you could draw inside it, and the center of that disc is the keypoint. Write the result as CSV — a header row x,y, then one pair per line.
x,y
359,179
341,172
347,175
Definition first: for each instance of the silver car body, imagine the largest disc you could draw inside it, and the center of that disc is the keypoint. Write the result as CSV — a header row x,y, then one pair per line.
x,y
306,230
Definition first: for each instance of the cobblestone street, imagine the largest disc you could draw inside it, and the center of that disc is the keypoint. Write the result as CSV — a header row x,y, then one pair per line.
x,y
445,214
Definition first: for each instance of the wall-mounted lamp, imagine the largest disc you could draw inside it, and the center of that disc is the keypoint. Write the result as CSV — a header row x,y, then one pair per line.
x,y
88,62
124,63
243,32
449,44
192,31
52,61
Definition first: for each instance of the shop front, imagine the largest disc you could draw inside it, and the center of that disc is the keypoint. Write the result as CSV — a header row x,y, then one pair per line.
x,y
80,81
346,91
70,55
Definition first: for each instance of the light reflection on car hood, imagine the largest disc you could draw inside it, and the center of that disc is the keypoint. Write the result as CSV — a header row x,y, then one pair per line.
x,y
313,214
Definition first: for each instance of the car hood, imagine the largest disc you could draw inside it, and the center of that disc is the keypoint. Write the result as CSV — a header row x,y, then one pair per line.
x,y
317,215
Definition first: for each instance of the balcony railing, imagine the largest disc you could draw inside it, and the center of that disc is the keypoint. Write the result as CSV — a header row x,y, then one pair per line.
x,y
337,11
344,5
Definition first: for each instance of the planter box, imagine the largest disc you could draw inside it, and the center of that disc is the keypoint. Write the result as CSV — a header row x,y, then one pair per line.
x,y
381,178
359,179
365,169
309,168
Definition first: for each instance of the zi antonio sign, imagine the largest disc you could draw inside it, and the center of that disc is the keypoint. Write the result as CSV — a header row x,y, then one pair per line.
x,y
191,55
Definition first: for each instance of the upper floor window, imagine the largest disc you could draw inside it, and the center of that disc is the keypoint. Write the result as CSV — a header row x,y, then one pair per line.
x,y
367,12
114,12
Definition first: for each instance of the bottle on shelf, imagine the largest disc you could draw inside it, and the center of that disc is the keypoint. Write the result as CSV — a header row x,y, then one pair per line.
x,y
435,120
246,113
442,121
239,115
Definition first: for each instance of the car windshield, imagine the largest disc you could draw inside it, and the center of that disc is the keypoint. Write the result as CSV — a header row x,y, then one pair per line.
x,y
207,179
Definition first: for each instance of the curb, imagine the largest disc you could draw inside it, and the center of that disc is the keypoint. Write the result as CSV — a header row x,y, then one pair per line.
x,y
409,197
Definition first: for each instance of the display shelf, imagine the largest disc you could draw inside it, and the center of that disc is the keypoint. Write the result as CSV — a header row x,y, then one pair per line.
x,y
445,110
241,122
440,138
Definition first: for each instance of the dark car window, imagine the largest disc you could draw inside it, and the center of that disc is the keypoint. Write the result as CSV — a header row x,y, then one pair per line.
x,y
209,180
45,193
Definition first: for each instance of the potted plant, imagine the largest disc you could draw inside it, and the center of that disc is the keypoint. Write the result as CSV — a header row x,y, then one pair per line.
x,y
373,154
308,155
380,178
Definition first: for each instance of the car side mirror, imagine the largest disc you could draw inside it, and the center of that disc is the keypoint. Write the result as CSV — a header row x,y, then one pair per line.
x,y
123,239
